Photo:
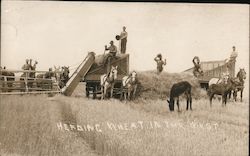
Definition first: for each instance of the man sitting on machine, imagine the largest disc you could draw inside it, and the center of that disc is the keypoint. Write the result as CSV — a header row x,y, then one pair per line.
x,y
112,53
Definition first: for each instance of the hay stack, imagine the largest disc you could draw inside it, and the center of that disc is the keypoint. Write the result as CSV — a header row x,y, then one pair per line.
x,y
154,86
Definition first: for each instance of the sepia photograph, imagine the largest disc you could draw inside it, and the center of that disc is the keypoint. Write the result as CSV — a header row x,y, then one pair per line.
x,y
88,78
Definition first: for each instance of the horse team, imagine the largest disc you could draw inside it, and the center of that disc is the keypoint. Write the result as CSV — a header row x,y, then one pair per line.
x,y
224,86
129,84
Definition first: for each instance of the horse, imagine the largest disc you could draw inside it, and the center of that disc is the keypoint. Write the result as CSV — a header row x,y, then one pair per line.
x,y
178,89
222,89
224,78
240,79
130,84
7,76
107,81
64,76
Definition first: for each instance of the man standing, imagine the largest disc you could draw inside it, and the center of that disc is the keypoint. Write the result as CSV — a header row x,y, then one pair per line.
x,y
26,66
123,40
231,62
160,63
234,54
33,67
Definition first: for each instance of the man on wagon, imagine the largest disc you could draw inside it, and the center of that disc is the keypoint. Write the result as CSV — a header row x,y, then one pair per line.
x,y
160,63
123,40
112,49
234,54
197,67
26,66
230,62
112,54
33,67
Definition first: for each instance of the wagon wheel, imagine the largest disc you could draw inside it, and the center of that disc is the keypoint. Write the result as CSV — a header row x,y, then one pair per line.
x,y
122,93
94,92
87,91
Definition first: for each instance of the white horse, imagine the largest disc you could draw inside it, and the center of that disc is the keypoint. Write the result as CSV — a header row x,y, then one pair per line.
x,y
223,79
130,85
107,81
57,73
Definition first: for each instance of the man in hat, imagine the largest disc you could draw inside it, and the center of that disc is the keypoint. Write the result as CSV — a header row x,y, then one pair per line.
x,y
234,54
197,67
112,53
33,67
231,62
160,63
123,40
26,66
112,49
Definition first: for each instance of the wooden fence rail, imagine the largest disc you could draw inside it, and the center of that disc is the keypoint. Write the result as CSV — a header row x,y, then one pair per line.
x,y
27,85
28,71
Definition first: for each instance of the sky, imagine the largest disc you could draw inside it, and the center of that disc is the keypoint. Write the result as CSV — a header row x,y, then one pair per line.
x,y
62,33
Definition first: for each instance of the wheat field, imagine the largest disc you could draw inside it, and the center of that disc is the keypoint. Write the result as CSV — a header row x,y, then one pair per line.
x,y
76,125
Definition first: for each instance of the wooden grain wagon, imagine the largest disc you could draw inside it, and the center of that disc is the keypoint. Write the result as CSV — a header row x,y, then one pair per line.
x,y
100,67
215,69
19,83
89,71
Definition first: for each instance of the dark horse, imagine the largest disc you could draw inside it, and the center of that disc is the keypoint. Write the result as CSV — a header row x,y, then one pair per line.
x,y
178,89
7,76
223,89
241,76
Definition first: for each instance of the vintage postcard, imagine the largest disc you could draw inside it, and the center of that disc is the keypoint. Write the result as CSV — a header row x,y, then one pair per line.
x,y
124,79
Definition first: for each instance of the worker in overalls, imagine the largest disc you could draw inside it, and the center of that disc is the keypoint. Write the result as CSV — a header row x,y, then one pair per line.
x,y
123,40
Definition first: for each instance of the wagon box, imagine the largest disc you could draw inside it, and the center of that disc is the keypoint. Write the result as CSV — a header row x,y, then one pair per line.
x,y
100,67
214,69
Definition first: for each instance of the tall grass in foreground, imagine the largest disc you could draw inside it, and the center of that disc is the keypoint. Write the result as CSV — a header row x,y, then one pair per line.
x,y
228,137
28,127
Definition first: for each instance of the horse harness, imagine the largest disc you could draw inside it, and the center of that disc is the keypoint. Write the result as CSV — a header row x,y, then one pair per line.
x,y
107,78
129,80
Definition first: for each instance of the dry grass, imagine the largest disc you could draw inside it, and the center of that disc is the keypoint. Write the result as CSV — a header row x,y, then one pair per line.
x,y
28,127
229,138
